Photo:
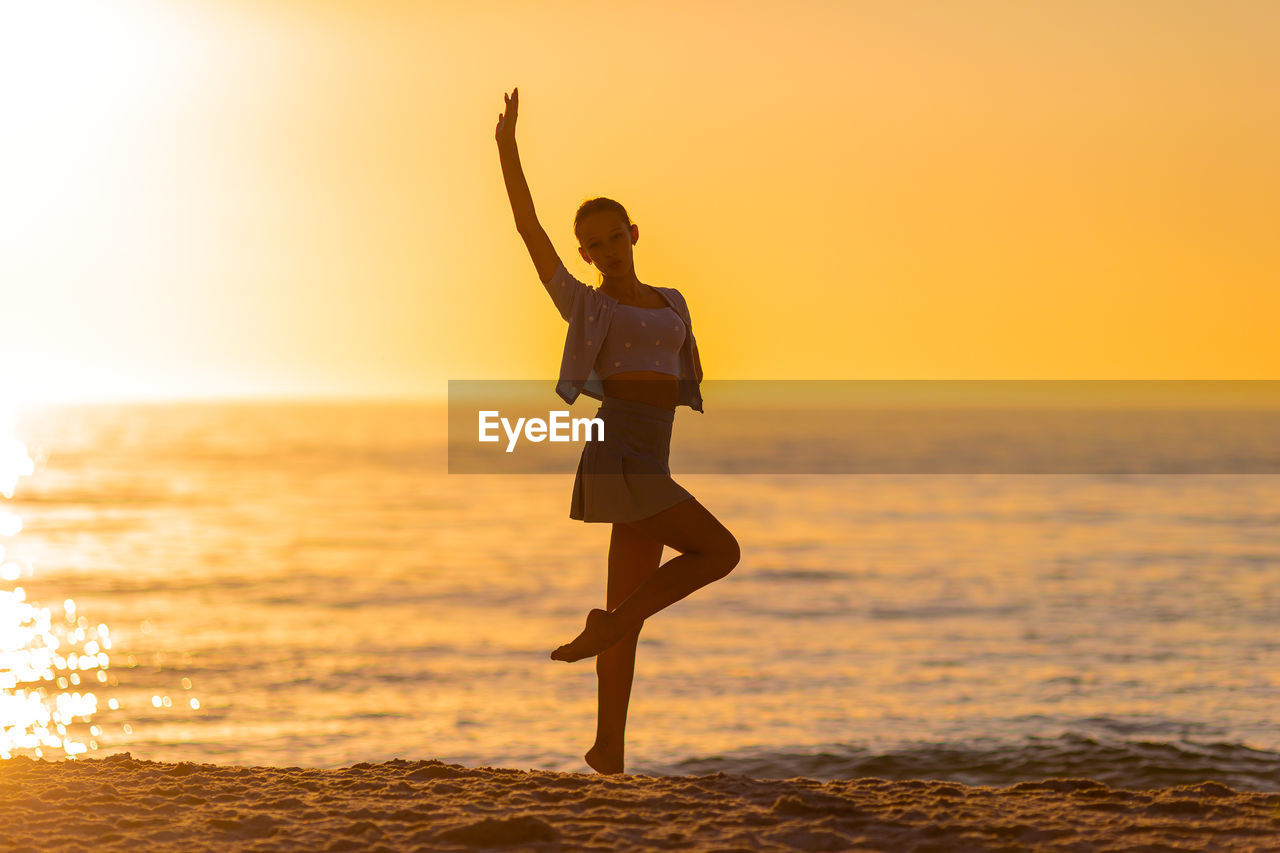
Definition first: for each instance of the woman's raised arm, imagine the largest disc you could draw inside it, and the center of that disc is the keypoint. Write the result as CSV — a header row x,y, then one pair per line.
x,y
535,237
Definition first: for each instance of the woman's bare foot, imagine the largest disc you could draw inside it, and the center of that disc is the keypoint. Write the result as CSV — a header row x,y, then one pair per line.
x,y
604,758
602,631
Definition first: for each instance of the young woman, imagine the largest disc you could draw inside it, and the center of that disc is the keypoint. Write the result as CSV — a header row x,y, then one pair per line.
x,y
631,346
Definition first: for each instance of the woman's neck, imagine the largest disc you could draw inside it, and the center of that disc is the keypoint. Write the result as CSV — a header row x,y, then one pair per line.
x,y
623,288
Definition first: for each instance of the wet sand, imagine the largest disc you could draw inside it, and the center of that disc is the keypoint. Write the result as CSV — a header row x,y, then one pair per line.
x,y
120,803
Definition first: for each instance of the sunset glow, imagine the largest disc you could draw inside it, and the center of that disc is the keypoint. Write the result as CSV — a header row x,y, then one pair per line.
x,y
221,199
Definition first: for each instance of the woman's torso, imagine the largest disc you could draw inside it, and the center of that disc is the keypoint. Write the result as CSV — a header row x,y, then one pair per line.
x,y
652,331
644,386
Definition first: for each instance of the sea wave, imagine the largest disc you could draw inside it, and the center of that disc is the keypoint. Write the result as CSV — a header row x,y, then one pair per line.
x,y
1120,763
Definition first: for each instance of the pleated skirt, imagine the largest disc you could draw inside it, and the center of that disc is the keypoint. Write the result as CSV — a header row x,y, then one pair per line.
x,y
626,477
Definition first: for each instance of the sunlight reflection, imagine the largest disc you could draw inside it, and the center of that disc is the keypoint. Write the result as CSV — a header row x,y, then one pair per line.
x,y
39,651
14,463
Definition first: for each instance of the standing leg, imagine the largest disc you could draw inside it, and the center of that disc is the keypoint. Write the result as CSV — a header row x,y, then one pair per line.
x,y
633,556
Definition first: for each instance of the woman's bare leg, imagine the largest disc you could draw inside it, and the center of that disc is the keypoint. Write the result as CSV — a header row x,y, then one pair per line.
x,y
633,556
708,552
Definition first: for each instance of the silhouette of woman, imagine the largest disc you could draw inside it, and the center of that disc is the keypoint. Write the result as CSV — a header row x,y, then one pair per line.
x,y
641,361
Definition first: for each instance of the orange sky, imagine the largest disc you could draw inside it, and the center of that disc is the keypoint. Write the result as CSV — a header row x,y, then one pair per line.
x,y
304,198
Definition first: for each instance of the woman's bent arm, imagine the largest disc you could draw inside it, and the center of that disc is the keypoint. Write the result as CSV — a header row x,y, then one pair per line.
x,y
517,187
535,238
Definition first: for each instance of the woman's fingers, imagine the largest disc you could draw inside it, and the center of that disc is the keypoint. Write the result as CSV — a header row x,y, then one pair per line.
x,y
507,118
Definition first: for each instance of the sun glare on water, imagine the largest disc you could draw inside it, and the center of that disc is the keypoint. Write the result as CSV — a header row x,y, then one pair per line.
x,y
50,658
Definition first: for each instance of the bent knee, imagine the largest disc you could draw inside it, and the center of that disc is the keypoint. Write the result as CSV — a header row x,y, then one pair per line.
x,y
729,552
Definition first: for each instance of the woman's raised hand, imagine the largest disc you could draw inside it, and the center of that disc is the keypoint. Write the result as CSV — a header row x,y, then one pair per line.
x,y
506,130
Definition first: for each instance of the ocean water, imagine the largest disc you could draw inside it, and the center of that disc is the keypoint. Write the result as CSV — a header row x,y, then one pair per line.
x,y
304,584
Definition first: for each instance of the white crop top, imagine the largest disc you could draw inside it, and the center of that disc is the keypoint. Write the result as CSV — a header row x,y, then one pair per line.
x,y
641,339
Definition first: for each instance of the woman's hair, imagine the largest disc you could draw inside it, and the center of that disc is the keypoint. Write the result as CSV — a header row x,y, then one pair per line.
x,y
596,205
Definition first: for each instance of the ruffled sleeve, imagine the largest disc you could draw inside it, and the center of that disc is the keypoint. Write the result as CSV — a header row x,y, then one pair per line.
x,y
564,290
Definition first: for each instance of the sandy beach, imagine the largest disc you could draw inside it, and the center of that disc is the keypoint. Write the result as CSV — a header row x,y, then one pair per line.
x,y
119,802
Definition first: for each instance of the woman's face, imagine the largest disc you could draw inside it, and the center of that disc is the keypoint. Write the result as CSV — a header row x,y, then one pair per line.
x,y
606,242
